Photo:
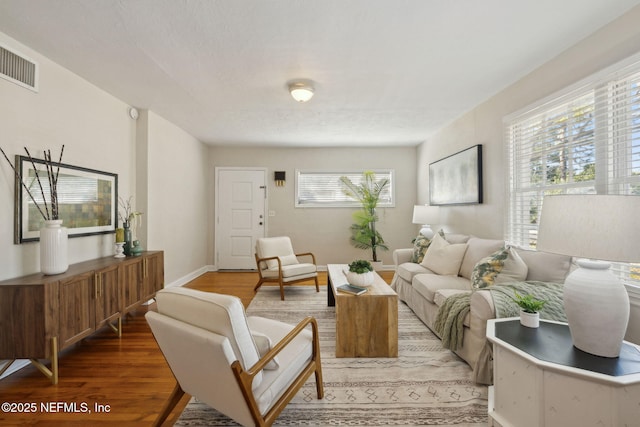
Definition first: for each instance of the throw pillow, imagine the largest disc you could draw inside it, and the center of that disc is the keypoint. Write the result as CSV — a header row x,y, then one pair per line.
x,y
263,344
514,268
420,246
488,271
284,260
443,257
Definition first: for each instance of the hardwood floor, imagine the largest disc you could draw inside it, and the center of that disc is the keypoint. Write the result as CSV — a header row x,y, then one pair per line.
x,y
128,377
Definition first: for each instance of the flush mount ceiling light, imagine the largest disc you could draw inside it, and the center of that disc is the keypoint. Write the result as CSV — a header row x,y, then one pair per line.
x,y
301,92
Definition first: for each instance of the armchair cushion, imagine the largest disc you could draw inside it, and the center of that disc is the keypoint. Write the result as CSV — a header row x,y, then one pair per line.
x,y
264,344
221,314
276,247
294,270
292,359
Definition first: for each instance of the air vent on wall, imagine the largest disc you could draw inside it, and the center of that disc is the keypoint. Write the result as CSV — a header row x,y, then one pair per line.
x,y
18,69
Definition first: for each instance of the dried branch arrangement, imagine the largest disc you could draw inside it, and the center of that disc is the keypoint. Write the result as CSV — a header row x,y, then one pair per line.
x,y
48,211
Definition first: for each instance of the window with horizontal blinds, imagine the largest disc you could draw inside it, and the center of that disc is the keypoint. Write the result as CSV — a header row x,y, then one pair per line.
x,y
584,142
324,189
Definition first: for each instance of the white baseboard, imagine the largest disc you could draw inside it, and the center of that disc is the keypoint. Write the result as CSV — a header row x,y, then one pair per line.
x,y
188,277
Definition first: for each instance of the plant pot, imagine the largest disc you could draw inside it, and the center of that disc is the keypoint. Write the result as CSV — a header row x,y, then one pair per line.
x,y
530,320
53,248
360,279
377,265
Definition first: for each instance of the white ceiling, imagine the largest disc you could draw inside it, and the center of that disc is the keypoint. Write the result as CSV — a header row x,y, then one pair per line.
x,y
386,72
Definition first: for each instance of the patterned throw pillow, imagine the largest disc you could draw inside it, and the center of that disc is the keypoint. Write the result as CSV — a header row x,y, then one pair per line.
x,y
502,266
420,246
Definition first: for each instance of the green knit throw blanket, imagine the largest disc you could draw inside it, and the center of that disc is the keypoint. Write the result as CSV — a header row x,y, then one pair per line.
x,y
449,323
551,292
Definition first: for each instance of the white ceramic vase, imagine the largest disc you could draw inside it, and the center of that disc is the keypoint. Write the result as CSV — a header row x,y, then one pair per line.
x,y
597,307
530,320
54,254
360,279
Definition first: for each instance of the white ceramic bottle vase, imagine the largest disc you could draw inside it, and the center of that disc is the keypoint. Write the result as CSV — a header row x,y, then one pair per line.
x,y
54,255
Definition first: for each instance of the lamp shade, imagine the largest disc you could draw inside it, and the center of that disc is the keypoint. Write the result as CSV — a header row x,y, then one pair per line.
x,y
601,227
424,214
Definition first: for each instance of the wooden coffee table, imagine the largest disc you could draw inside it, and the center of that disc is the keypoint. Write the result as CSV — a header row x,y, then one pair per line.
x,y
367,324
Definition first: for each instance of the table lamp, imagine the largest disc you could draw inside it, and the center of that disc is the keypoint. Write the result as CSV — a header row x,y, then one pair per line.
x,y
426,215
600,228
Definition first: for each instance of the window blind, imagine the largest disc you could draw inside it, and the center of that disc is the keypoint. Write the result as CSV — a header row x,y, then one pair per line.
x,y
324,189
584,142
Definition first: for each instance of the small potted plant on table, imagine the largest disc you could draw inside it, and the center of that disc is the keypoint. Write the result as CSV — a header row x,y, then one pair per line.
x,y
530,308
360,273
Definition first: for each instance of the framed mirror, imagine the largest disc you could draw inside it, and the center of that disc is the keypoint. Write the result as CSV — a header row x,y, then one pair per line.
x,y
87,200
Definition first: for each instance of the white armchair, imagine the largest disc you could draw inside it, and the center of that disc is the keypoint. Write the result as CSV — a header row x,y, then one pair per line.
x,y
248,368
278,263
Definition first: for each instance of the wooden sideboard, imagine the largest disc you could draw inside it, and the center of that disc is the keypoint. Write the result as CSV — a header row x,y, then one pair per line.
x,y
41,315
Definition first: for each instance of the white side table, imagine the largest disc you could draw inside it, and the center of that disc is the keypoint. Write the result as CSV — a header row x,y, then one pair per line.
x,y
541,379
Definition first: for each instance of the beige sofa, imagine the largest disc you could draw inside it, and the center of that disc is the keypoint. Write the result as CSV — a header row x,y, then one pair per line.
x,y
425,291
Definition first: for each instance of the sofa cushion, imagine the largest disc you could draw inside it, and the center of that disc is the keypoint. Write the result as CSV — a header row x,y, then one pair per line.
x,y
502,266
443,257
545,266
428,284
478,249
455,238
409,269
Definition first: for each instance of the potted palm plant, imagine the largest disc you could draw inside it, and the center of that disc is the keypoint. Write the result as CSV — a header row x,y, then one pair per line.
x,y
364,234
530,308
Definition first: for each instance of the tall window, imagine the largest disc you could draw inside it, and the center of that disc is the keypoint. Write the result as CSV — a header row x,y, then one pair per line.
x,y
584,142
323,189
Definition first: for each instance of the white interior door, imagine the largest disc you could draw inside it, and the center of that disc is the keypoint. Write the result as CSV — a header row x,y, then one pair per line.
x,y
240,208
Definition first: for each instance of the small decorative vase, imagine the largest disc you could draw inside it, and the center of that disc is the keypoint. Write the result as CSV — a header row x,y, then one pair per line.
x,y
530,320
136,250
119,250
54,253
128,238
360,279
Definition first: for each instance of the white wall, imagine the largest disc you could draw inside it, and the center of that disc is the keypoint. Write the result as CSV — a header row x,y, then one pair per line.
x,y
484,125
160,165
325,231
95,129
177,198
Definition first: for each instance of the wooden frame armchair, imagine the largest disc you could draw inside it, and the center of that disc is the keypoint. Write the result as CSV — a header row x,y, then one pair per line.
x,y
248,368
278,263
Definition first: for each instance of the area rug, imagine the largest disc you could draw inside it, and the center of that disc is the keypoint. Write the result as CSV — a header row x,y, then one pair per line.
x,y
425,385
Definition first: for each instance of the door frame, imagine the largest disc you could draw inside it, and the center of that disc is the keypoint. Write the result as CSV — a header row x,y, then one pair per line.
x,y
219,169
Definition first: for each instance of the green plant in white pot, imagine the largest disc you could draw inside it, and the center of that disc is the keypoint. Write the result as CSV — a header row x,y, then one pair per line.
x,y
530,308
360,273
364,234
